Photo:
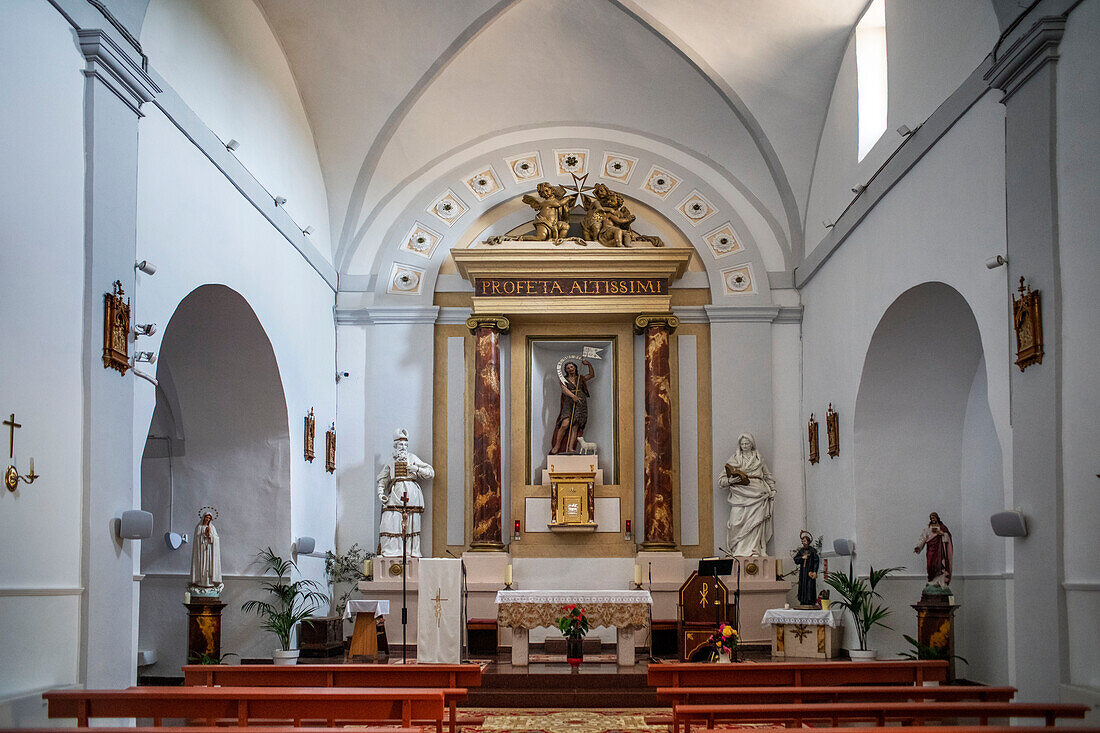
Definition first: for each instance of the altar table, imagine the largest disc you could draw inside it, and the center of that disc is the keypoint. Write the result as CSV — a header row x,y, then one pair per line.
x,y
623,610
364,634
805,633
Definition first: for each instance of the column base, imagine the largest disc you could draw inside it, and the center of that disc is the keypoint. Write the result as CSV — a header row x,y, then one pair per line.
x,y
659,546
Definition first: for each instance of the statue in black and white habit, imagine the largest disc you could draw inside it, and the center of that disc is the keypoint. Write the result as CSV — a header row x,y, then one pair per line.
x,y
807,560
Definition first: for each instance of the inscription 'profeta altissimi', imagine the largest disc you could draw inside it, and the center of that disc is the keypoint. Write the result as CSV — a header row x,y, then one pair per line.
x,y
569,286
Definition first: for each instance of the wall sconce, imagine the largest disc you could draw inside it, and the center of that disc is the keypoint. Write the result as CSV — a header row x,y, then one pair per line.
x,y
12,477
146,266
232,145
175,540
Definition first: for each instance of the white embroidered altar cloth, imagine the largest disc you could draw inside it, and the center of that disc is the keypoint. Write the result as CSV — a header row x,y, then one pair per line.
x,y
530,609
378,608
807,616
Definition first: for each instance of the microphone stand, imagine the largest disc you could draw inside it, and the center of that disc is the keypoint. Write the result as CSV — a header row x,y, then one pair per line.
x,y
737,608
404,576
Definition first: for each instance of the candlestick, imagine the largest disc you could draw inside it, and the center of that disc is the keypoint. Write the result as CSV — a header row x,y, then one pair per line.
x,y
637,576
508,575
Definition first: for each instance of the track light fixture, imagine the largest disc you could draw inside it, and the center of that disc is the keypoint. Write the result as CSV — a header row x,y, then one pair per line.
x,y
232,145
145,329
308,230
996,261
145,356
146,266
828,223
858,189
905,131
280,200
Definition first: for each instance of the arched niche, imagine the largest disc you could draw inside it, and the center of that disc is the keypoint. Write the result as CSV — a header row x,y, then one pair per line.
x,y
221,414
924,441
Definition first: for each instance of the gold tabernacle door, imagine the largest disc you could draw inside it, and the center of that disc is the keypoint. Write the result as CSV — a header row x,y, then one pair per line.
x,y
572,502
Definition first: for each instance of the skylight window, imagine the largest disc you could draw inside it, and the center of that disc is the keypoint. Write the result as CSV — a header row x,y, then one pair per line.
x,y
871,79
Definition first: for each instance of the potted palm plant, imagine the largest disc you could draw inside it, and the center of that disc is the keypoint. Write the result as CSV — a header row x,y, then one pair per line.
x,y
290,603
858,595
573,626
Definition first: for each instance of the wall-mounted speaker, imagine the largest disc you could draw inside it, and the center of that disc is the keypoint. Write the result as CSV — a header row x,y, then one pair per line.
x,y
305,545
844,547
136,525
1009,524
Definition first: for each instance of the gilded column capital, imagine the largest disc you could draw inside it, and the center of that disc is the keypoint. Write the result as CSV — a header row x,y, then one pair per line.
x,y
645,320
500,323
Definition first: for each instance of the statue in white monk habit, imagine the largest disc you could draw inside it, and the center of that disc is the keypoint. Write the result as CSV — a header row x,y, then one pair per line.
x,y
206,557
750,489
402,499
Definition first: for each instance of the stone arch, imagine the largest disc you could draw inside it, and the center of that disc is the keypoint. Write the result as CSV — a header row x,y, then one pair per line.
x,y
219,436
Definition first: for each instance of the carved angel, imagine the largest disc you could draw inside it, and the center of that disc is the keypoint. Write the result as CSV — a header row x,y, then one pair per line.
x,y
607,220
551,222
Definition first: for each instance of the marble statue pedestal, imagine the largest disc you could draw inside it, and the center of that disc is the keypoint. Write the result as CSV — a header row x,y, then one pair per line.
x,y
204,629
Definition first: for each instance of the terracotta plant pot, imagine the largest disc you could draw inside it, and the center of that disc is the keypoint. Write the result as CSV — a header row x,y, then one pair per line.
x,y
574,651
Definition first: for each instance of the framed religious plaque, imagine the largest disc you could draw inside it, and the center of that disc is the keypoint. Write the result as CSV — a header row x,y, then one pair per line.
x,y
308,434
1027,319
812,430
832,429
116,330
330,449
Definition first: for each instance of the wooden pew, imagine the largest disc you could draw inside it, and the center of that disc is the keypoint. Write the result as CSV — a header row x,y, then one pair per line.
x,y
857,693
879,713
942,729
222,729
854,693
246,704
786,674
451,678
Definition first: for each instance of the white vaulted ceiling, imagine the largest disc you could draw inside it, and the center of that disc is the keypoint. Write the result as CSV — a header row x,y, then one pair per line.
x,y
393,87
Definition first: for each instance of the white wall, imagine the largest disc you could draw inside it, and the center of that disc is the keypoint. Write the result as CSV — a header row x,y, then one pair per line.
x,y
939,223
1078,159
197,229
932,46
42,203
390,387
226,64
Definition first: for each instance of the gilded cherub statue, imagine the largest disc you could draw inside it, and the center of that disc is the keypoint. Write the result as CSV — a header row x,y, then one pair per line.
x,y
607,220
551,221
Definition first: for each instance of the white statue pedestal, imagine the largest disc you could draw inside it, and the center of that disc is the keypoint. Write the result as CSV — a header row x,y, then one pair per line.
x,y
562,463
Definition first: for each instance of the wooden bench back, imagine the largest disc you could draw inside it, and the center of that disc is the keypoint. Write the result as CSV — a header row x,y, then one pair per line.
x,y
786,674
250,703
333,675
732,695
879,712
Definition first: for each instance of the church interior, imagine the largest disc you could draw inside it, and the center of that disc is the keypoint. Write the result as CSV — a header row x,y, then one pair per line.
x,y
471,323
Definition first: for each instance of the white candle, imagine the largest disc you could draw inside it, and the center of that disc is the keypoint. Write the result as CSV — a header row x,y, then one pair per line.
x,y
637,575
187,597
366,566
508,574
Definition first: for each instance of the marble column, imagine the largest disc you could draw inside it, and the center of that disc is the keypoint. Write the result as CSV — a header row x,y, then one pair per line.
x,y
658,430
487,443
